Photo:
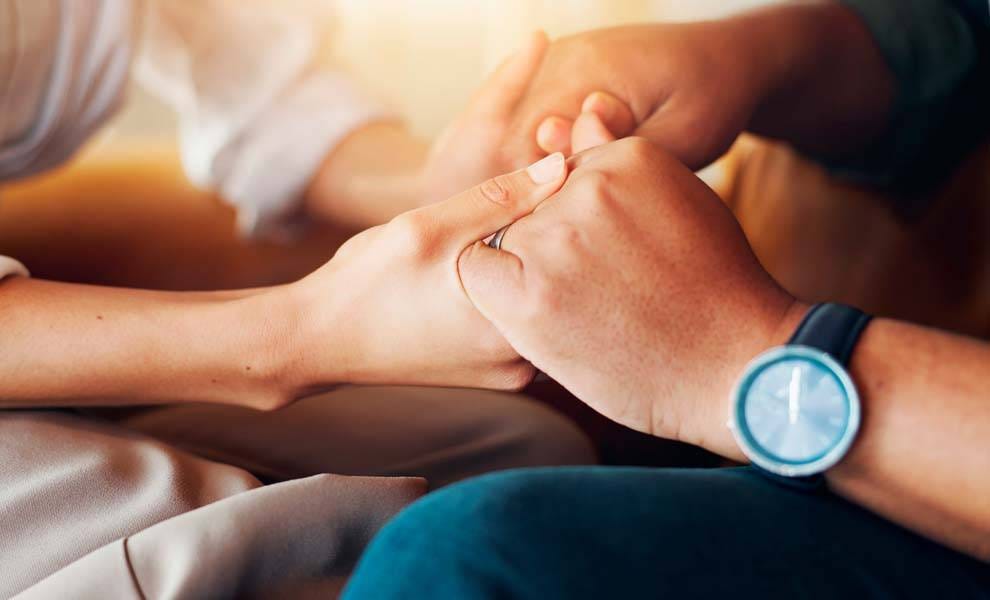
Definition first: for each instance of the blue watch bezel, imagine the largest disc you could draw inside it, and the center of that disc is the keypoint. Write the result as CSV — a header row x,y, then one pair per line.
x,y
752,449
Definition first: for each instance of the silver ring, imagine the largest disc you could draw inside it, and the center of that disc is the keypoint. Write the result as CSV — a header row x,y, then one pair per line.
x,y
496,241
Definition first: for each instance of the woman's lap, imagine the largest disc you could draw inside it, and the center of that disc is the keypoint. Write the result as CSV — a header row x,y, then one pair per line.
x,y
70,484
442,434
88,509
625,532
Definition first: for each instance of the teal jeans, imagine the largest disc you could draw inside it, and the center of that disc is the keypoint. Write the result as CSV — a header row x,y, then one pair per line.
x,y
608,532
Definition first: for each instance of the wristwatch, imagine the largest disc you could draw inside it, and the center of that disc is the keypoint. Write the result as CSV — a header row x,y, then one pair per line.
x,y
795,411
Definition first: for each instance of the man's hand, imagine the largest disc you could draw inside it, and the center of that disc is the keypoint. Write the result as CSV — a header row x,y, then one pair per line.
x,y
686,90
808,73
635,288
389,307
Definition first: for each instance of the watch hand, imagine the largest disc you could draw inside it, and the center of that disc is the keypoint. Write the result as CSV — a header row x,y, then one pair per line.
x,y
794,396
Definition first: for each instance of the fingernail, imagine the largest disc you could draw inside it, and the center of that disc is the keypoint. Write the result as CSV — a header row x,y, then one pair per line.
x,y
546,169
599,104
589,102
544,134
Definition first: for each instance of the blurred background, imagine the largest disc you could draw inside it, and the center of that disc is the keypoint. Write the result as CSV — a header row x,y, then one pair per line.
x,y
424,57
123,213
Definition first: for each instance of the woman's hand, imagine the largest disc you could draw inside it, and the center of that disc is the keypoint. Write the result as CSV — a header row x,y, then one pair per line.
x,y
382,170
389,307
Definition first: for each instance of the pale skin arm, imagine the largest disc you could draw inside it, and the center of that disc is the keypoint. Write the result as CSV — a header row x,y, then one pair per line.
x,y
387,309
77,345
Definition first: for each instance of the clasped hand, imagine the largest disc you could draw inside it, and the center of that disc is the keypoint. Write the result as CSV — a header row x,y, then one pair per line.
x,y
389,307
630,283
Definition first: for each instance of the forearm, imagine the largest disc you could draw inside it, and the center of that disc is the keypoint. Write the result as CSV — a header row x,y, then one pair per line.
x,y
922,458
77,345
922,455
370,177
825,86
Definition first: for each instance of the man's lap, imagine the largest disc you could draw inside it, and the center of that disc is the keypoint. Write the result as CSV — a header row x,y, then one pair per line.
x,y
617,532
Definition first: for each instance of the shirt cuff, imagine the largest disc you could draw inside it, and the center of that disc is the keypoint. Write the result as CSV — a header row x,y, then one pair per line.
x,y
10,267
265,171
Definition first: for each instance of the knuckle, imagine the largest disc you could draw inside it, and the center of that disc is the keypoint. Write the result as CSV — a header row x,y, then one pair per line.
x,y
514,377
360,242
347,249
638,149
496,190
269,403
563,235
597,182
544,299
597,187
412,232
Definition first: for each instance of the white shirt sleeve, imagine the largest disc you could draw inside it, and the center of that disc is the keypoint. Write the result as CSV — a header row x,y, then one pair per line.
x,y
63,69
257,114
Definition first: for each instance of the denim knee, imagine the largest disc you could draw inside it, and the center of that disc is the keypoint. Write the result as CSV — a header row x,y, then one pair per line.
x,y
457,542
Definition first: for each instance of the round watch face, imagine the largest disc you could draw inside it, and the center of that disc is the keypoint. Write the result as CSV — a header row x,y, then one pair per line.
x,y
795,411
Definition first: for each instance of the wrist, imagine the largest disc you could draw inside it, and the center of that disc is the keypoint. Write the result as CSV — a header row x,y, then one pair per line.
x,y
772,326
826,88
764,57
285,351
264,329
775,49
308,346
230,348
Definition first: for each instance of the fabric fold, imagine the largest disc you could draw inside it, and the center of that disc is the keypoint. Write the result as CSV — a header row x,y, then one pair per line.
x,y
305,534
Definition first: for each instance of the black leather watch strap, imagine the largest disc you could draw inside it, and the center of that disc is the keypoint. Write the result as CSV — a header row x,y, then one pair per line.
x,y
833,329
